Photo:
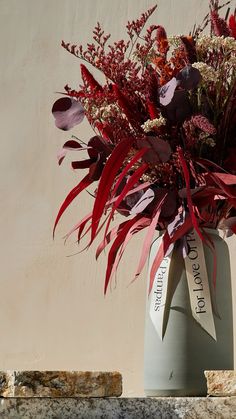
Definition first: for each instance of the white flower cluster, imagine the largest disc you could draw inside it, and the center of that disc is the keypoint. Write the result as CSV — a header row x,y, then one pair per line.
x,y
108,110
205,139
209,141
231,63
207,72
102,113
174,40
153,123
206,42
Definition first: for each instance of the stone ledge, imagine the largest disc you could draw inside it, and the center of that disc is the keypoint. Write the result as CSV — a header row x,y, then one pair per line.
x,y
221,383
60,384
117,408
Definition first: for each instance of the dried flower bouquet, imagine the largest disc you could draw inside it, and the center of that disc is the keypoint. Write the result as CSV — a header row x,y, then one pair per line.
x,y
164,149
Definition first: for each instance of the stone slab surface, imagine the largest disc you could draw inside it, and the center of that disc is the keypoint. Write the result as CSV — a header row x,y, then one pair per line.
x,y
60,384
117,408
221,383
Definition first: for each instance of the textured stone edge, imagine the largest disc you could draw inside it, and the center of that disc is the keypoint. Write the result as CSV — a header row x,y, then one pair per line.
x,y
221,383
60,384
116,408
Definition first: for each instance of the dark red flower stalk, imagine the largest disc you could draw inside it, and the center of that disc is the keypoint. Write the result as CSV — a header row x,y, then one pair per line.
x,y
152,84
89,79
203,123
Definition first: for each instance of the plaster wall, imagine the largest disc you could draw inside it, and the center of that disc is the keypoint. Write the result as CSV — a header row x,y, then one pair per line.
x,y
53,314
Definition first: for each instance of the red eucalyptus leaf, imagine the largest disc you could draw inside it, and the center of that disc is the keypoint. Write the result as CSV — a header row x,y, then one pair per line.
x,y
82,164
60,156
100,145
72,145
69,145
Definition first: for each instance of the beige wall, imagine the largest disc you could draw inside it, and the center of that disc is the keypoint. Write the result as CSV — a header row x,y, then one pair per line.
x,y
52,311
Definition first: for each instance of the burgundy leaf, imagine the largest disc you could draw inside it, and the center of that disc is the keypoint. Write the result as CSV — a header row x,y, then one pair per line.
x,y
189,77
100,145
158,149
179,108
72,145
96,168
143,202
82,164
166,92
67,112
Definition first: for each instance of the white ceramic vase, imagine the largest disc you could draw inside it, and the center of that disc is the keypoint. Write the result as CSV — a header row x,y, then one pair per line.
x,y
175,365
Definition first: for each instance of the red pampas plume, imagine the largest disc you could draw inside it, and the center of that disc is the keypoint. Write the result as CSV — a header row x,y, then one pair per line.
x,y
219,26
232,26
89,79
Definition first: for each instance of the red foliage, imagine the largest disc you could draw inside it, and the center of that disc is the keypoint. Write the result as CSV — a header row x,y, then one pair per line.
x,y
163,131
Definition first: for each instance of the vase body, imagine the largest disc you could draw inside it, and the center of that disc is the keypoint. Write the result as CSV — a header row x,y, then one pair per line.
x,y
175,365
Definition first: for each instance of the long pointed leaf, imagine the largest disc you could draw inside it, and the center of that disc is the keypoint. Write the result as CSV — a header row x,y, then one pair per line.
x,y
114,249
129,185
109,173
149,237
188,191
137,226
85,182
109,237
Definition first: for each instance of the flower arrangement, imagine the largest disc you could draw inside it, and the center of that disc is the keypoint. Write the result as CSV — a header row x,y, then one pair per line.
x,y
164,150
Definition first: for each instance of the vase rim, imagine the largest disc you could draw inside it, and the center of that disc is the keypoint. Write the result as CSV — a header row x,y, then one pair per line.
x,y
206,229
